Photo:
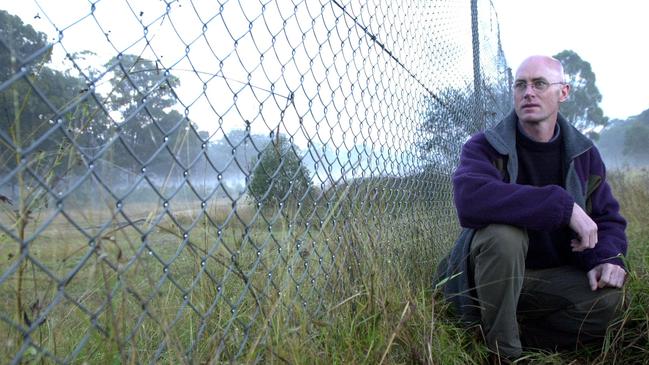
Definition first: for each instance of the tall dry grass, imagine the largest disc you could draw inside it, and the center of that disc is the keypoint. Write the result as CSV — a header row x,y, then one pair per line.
x,y
392,319
374,303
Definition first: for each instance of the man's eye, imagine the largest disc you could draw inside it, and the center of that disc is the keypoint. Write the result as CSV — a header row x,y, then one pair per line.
x,y
540,84
520,85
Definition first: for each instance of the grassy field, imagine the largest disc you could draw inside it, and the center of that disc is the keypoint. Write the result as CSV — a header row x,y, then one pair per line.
x,y
347,283
394,319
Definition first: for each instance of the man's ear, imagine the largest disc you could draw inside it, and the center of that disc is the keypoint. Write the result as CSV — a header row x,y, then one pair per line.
x,y
565,92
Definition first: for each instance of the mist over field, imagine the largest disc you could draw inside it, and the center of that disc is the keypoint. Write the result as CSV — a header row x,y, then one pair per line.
x,y
624,144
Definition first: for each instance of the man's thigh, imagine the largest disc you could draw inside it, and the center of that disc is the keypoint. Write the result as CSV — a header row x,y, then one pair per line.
x,y
547,290
559,301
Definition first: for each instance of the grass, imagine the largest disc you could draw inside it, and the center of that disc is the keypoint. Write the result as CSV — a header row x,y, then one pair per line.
x,y
340,285
136,292
397,320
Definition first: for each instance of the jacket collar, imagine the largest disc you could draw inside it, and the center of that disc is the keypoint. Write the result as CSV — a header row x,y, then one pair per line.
x,y
502,137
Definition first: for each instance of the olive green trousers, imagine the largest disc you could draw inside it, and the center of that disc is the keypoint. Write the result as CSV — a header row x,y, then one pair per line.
x,y
548,309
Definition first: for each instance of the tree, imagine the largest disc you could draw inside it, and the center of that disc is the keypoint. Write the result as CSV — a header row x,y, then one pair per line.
x,y
143,94
582,107
635,140
279,173
23,115
52,102
636,137
235,153
452,114
18,41
450,118
447,122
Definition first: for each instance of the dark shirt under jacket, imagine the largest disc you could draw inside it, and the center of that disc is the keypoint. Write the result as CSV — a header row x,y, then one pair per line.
x,y
540,164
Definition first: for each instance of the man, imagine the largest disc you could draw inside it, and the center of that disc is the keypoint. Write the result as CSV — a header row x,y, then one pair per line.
x,y
539,262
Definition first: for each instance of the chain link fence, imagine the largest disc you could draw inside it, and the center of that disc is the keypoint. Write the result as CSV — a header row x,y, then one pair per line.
x,y
180,177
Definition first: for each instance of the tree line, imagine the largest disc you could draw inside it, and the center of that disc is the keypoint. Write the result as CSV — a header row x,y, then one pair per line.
x,y
45,112
59,123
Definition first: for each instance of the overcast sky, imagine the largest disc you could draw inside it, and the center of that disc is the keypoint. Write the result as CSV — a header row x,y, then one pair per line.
x,y
611,35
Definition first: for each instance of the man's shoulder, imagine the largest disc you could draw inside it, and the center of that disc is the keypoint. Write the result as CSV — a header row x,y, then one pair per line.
x,y
478,138
480,141
595,161
499,139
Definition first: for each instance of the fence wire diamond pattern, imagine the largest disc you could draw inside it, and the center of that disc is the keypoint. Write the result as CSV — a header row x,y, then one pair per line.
x,y
178,178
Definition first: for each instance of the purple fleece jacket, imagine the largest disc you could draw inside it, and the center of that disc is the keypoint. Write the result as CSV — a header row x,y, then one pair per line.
x,y
484,192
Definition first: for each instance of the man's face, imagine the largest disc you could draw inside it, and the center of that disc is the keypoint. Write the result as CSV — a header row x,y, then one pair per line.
x,y
538,90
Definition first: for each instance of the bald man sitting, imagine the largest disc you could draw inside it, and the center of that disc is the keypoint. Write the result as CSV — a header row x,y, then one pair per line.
x,y
539,260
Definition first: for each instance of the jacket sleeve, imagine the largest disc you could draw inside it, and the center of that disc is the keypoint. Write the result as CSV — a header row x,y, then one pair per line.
x,y
482,197
605,211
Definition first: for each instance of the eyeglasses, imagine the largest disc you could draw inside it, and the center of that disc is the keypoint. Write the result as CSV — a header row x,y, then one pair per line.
x,y
537,85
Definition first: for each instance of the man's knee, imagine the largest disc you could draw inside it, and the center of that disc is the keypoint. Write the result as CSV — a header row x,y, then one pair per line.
x,y
501,240
605,305
597,315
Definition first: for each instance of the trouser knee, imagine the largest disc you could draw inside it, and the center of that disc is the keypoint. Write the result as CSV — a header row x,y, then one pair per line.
x,y
498,262
610,300
503,241
603,308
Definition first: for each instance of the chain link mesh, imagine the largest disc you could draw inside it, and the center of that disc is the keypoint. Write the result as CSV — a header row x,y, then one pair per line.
x,y
177,178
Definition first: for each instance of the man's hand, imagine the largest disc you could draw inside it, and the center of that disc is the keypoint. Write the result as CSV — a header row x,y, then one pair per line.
x,y
604,275
585,228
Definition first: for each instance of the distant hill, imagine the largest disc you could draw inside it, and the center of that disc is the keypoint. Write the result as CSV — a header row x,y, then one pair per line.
x,y
613,140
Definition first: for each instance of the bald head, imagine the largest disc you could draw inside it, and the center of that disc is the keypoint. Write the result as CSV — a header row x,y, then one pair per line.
x,y
539,88
552,67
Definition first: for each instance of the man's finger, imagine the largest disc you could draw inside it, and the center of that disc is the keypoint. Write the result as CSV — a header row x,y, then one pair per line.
x,y
593,239
619,277
618,280
576,245
605,278
592,279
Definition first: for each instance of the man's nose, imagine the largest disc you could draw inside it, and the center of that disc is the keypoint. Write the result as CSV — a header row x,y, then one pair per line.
x,y
529,90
